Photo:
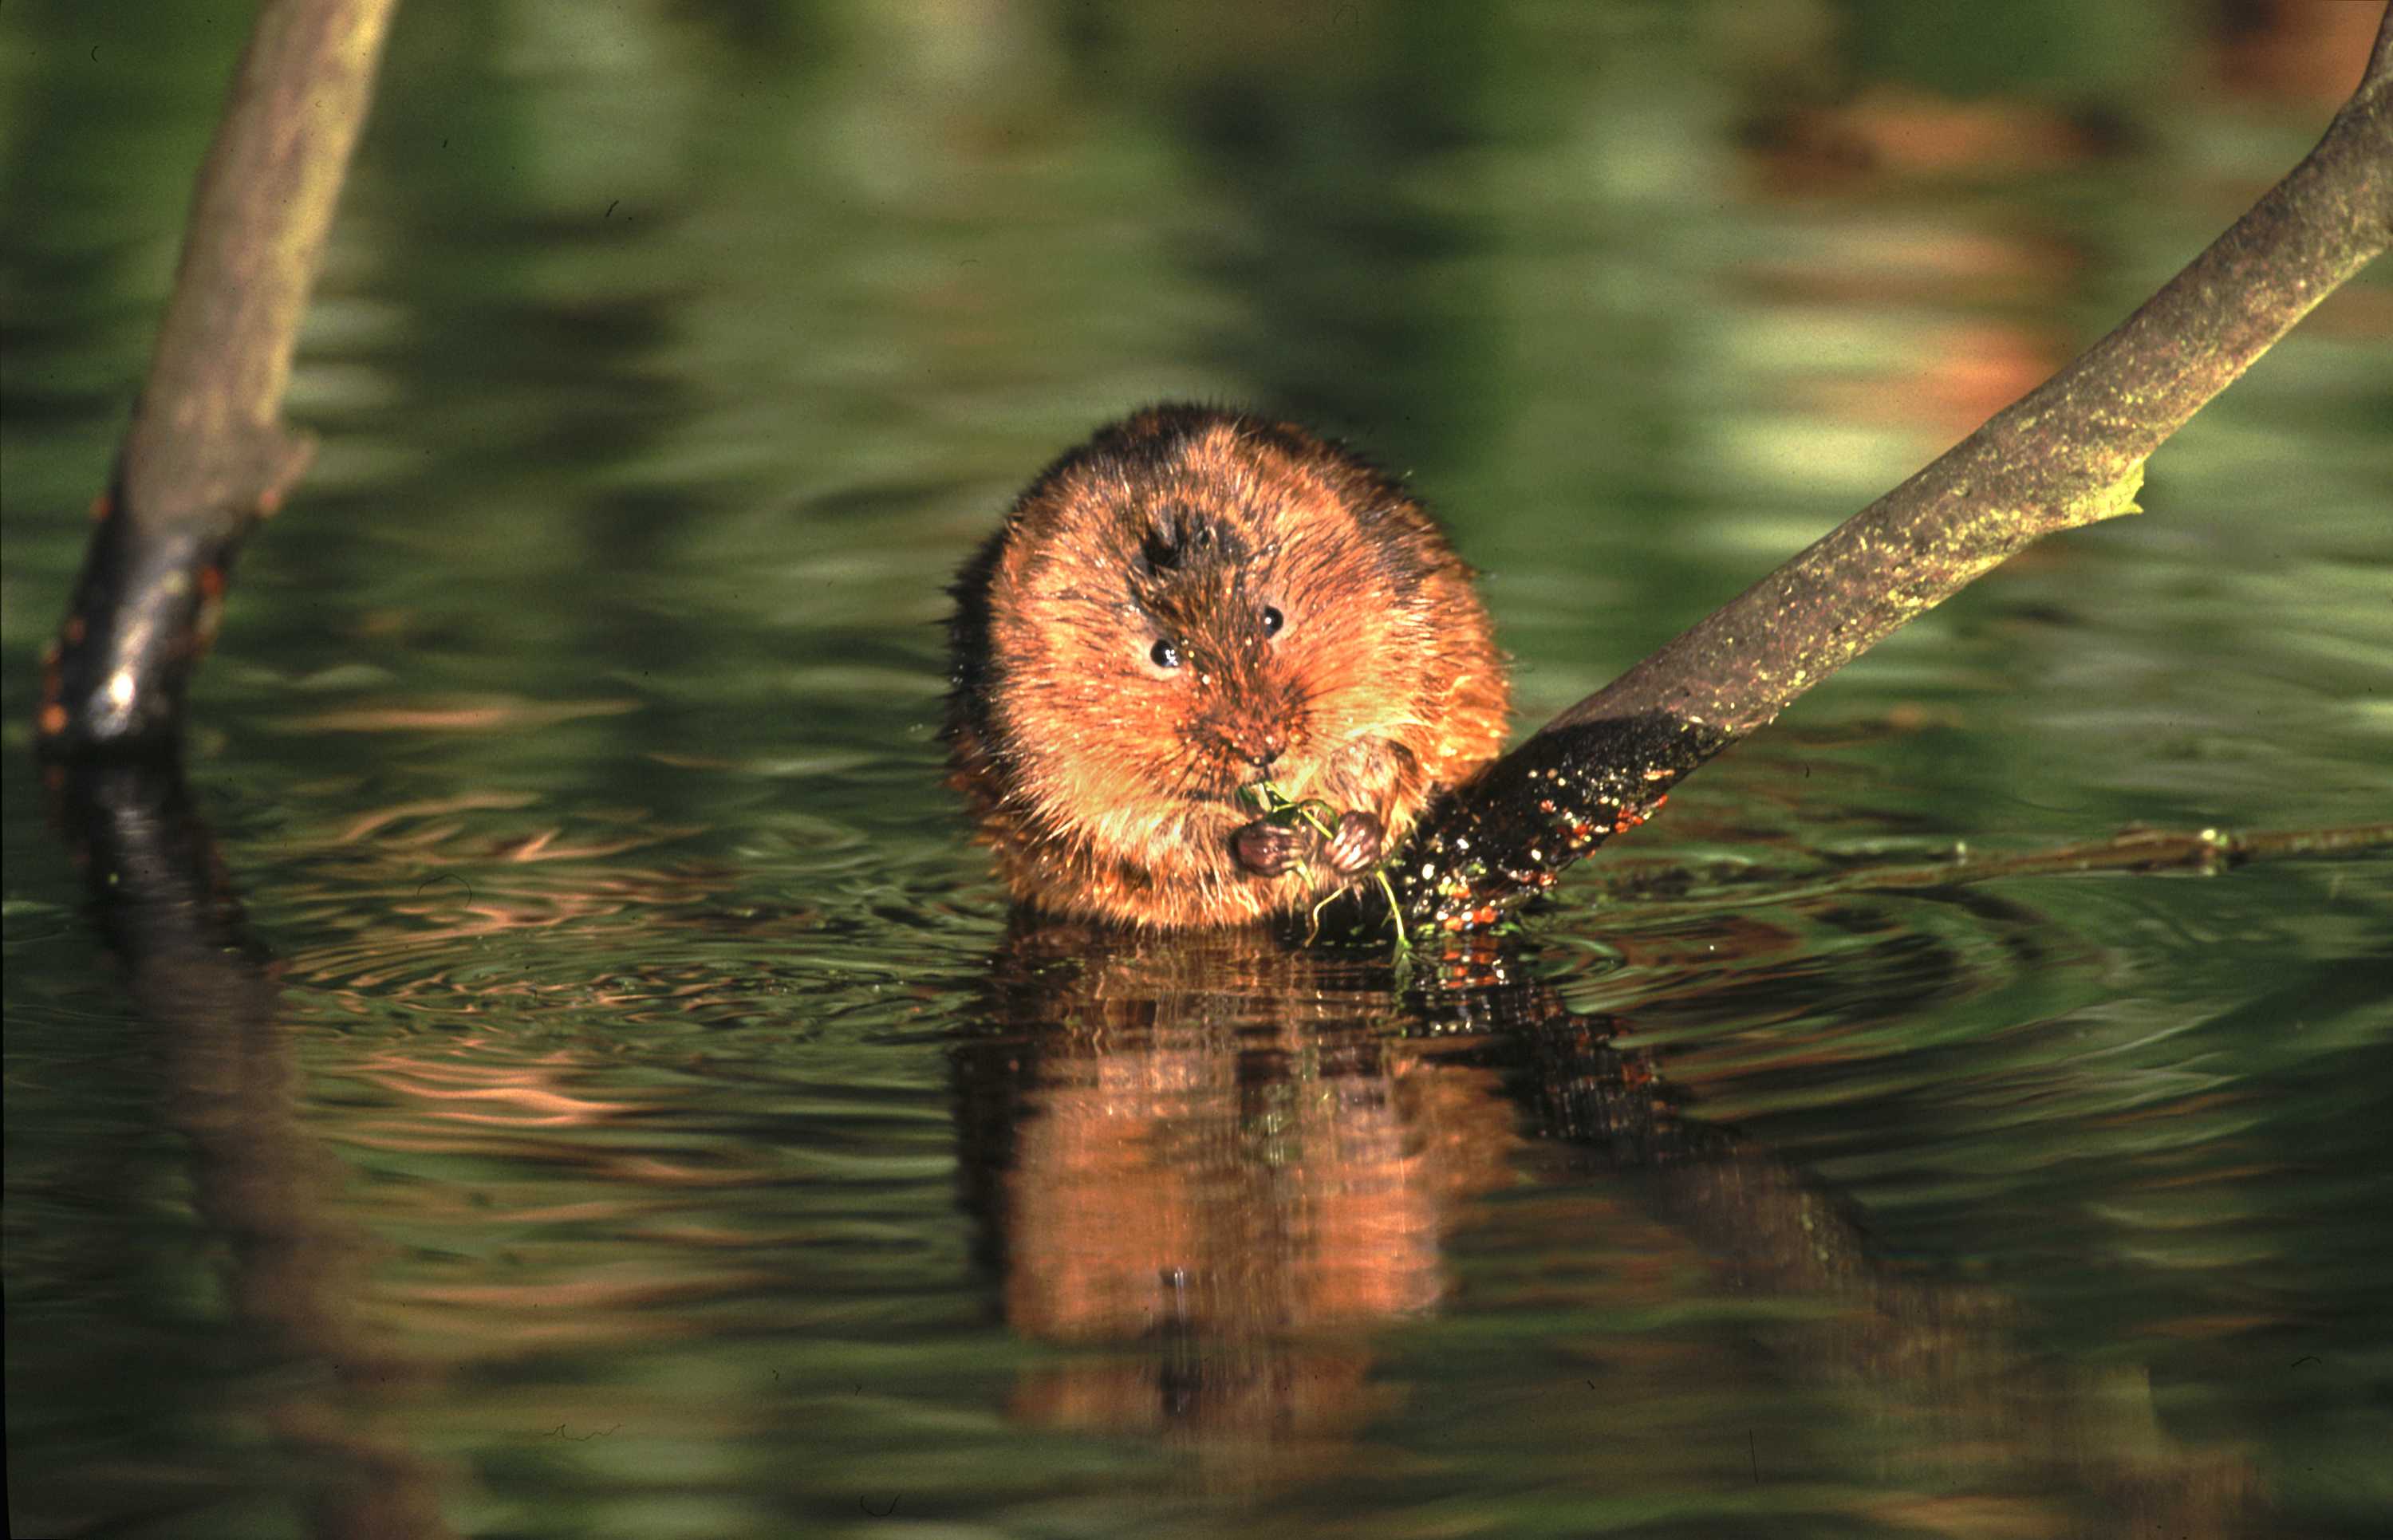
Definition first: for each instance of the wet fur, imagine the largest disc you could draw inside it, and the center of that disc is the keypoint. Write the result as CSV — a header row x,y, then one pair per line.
x,y
1108,786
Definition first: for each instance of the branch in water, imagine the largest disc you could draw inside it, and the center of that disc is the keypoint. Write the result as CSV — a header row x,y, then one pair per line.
x,y
2134,851
2070,452
207,454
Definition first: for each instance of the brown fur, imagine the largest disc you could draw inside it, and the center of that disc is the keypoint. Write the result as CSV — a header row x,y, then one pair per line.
x,y
1108,786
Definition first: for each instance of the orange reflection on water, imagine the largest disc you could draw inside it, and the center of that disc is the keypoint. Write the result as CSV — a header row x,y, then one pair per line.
x,y
510,714
526,1086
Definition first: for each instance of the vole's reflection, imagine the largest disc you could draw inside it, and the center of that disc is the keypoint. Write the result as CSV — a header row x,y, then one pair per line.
x,y
1227,1154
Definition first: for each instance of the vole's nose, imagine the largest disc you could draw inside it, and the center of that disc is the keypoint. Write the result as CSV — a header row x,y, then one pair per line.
x,y
1260,746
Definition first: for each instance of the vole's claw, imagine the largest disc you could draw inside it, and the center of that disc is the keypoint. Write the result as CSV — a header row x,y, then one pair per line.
x,y
1360,841
1266,849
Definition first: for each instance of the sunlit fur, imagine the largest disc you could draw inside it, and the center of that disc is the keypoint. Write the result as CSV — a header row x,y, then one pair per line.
x,y
1108,786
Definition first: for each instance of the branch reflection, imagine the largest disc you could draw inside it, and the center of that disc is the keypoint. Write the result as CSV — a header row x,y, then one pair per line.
x,y
261,1184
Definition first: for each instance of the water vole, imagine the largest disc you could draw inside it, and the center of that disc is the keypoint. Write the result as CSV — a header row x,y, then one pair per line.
x,y
1192,602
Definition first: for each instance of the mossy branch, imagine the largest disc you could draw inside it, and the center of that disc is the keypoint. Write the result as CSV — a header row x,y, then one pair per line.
x,y
2068,453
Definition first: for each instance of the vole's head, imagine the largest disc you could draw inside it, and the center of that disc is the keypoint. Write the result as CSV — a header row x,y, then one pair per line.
x,y
1196,600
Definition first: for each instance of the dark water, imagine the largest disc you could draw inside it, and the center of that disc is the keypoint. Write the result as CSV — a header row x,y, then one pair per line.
x,y
624,1110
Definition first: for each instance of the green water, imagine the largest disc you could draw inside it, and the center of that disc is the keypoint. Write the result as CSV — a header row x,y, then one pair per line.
x,y
647,1126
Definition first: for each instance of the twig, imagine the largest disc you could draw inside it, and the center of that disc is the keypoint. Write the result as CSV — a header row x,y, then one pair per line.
x,y
2133,852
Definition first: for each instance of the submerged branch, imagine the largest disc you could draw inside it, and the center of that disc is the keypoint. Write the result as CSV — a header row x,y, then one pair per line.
x,y
2133,852
2070,452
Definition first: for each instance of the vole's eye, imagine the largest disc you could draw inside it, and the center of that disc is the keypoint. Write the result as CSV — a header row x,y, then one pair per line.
x,y
1166,653
1273,620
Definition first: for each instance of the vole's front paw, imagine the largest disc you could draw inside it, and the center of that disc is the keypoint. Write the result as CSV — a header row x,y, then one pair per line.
x,y
1267,850
1358,845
